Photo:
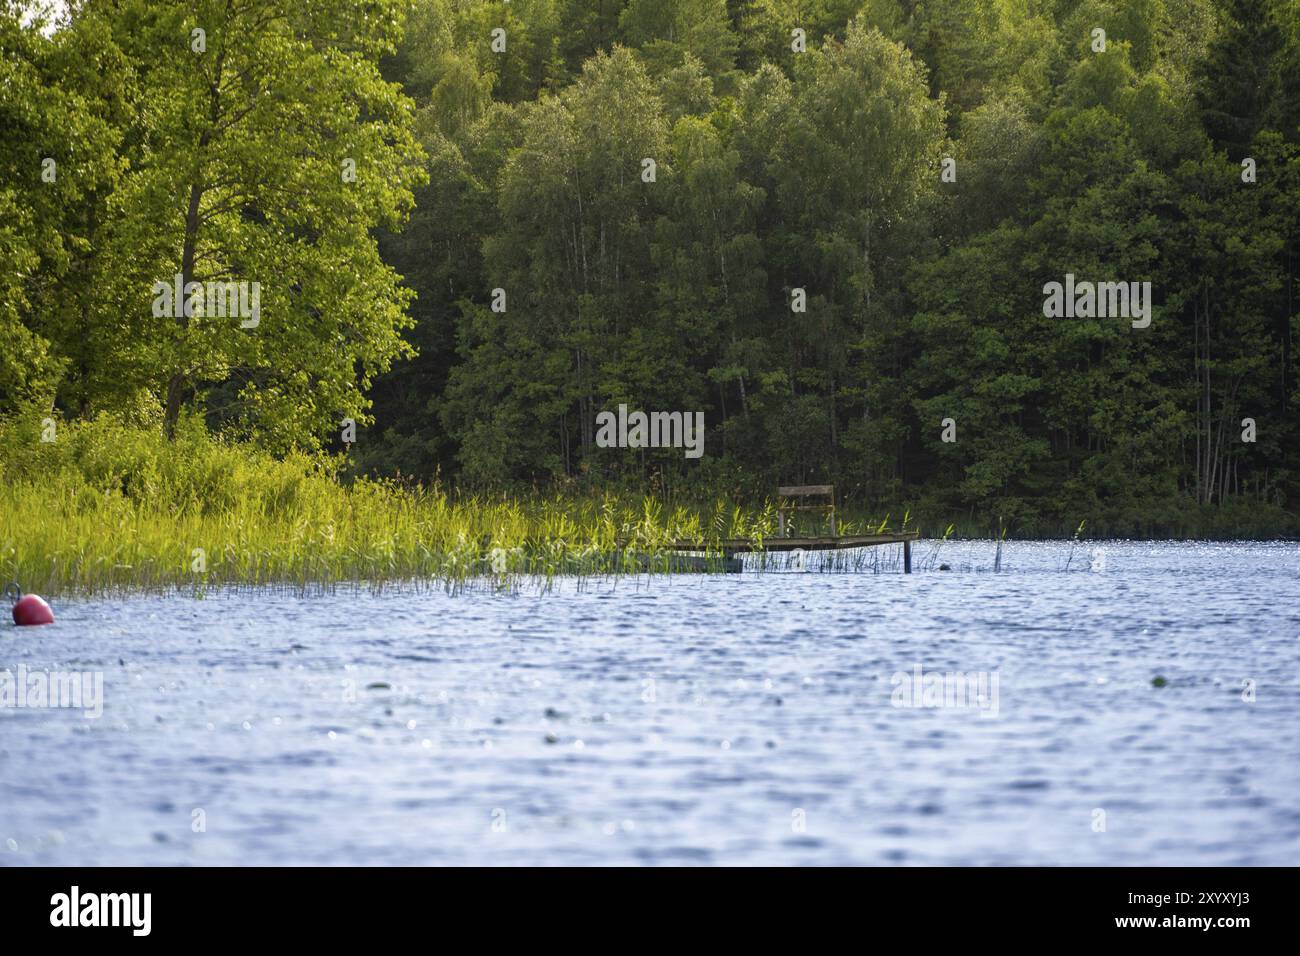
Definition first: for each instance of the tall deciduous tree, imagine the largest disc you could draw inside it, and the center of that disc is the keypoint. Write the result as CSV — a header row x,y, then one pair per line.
x,y
61,109
267,147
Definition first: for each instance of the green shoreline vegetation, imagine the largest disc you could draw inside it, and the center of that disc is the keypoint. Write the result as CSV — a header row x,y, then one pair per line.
x,y
340,291
109,507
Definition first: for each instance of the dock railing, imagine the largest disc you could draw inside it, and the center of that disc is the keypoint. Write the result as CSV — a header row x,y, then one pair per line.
x,y
801,493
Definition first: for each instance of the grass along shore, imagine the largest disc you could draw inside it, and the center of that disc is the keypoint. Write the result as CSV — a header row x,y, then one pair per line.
x,y
113,508
110,507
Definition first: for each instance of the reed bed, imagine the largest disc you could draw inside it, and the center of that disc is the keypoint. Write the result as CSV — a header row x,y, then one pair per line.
x,y
113,508
60,538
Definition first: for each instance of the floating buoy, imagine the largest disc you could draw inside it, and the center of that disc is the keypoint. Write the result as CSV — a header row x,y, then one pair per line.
x,y
28,609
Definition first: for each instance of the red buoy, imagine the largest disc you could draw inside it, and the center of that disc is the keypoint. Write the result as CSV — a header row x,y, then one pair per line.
x,y
29,609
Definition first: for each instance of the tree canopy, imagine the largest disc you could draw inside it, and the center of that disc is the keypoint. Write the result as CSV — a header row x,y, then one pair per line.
x,y
826,224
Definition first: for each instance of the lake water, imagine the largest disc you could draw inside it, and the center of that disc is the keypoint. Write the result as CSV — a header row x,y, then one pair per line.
x,y
759,718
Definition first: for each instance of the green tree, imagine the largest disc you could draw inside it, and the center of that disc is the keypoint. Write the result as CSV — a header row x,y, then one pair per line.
x,y
571,254
1241,77
861,147
61,109
241,169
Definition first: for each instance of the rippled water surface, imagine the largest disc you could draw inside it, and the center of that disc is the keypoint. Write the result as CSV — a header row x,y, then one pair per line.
x,y
731,719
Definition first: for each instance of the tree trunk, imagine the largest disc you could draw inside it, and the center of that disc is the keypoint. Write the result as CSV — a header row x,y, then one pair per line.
x,y
178,384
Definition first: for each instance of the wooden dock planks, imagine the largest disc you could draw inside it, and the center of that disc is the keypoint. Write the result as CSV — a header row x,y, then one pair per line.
x,y
821,543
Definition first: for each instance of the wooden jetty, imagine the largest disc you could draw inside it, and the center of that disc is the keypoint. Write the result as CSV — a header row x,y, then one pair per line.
x,y
730,547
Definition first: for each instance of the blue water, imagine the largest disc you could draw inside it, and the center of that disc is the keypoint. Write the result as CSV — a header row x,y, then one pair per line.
x,y
738,719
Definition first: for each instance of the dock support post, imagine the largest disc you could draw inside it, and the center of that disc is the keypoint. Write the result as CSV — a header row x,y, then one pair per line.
x,y
907,557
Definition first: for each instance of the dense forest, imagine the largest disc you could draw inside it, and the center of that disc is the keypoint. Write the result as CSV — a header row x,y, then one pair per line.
x,y
828,225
